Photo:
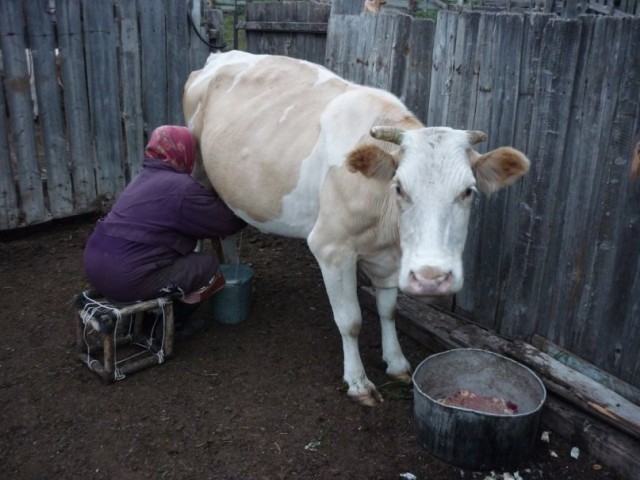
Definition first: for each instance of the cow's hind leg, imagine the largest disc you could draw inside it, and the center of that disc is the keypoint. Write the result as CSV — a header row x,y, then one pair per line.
x,y
340,282
398,367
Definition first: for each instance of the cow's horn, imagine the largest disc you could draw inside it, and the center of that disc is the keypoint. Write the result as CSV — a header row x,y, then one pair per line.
x,y
388,134
476,136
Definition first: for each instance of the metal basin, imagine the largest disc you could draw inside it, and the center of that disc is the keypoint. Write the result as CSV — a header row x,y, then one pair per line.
x,y
471,438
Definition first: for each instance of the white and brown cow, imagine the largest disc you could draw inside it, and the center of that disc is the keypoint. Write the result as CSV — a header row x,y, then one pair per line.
x,y
297,151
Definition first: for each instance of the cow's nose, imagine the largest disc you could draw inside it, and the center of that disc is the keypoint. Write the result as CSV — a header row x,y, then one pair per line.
x,y
430,281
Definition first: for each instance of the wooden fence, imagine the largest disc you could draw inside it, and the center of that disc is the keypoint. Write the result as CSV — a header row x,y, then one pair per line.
x,y
294,29
558,254
566,8
105,74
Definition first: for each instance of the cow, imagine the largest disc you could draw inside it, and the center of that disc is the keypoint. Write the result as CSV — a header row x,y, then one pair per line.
x,y
295,150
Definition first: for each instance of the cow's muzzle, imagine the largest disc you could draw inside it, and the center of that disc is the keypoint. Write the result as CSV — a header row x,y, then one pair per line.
x,y
430,281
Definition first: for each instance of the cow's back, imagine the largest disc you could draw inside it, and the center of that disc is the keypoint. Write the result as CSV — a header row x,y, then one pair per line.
x,y
258,121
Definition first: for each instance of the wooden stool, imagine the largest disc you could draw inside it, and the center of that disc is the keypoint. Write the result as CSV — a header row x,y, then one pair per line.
x,y
107,326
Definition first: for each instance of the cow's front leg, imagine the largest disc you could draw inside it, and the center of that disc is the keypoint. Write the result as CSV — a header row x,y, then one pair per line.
x,y
340,282
398,367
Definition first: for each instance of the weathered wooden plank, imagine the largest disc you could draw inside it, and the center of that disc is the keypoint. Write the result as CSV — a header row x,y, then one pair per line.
x,y
631,368
291,44
154,63
470,108
562,44
346,7
505,106
198,51
288,27
131,81
417,78
50,116
9,208
258,43
353,51
294,29
530,58
21,113
76,104
516,264
491,107
469,63
443,68
382,64
352,54
613,448
576,363
318,12
582,391
342,32
626,282
177,37
613,263
100,38
506,49
535,248
574,220
578,246
517,127
593,272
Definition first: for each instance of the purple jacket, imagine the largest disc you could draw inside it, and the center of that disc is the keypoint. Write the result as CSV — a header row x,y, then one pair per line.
x,y
162,207
156,221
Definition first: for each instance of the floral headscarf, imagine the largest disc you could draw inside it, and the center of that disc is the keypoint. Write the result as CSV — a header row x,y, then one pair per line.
x,y
174,145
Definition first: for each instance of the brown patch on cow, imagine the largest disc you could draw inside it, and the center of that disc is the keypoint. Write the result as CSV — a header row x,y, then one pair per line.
x,y
372,162
499,168
260,122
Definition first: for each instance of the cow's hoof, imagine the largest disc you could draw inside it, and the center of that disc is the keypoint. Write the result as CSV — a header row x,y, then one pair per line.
x,y
402,377
368,399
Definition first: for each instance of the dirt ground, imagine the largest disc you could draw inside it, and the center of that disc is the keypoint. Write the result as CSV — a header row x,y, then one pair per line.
x,y
260,400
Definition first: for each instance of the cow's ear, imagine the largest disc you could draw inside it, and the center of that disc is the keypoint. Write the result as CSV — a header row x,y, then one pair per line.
x,y
498,168
372,162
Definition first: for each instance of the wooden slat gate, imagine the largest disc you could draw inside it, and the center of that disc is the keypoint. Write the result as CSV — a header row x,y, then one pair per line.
x,y
294,29
105,74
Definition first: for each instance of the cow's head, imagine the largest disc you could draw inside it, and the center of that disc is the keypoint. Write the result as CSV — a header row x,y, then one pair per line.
x,y
434,177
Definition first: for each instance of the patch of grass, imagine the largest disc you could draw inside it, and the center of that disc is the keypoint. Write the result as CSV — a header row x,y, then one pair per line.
x,y
228,28
429,13
396,390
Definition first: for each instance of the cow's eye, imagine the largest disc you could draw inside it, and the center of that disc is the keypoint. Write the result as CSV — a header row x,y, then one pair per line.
x,y
469,192
397,187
